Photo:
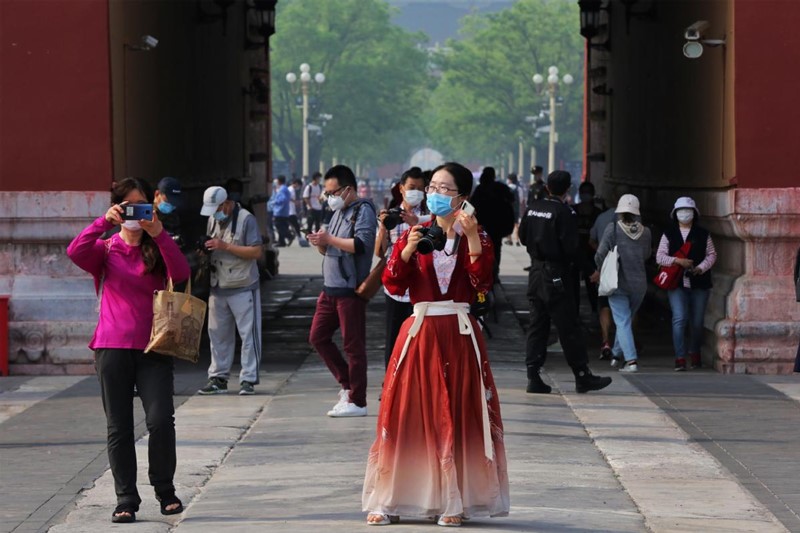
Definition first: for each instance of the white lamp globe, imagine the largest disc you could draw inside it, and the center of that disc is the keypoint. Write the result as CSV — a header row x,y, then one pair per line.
x,y
319,77
538,79
291,77
552,70
305,77
304,67
568,79
552,79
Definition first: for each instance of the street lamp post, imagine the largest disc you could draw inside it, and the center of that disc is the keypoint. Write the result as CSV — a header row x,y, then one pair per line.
x,y
305,80
552,84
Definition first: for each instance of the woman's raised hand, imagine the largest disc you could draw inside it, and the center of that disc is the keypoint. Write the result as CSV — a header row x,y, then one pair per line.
x,y
114,214
411,244
153,227
469,224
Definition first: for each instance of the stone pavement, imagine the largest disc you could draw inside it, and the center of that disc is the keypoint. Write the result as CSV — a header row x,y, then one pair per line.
x,y
656,451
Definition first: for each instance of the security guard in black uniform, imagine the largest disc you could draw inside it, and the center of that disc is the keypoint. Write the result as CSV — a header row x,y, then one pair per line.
x,y
549,230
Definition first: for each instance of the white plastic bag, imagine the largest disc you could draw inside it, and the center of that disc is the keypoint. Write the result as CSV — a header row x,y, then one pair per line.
x,y
609,273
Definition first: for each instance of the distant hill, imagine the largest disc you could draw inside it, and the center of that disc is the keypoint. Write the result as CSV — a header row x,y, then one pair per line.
x,y
440,19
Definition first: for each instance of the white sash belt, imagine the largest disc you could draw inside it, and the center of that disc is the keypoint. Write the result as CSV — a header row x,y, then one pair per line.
x,y
449,307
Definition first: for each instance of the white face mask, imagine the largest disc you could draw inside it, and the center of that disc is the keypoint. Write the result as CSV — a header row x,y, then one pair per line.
x,y
335,202
413,197
685,215
132,225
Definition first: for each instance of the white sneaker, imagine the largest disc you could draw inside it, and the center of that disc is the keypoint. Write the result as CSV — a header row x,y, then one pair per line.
x,y
614,361
344,397
630,367
342,410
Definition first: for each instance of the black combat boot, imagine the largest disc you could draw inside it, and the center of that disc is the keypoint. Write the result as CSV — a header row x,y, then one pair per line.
x,y
535,383
585,381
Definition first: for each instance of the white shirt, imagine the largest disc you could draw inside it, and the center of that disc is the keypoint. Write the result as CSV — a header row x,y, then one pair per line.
x,y
292,206
312,193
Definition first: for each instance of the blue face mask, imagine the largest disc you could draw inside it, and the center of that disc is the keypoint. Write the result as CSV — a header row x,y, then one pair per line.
x,y
166,208
220,217
439,204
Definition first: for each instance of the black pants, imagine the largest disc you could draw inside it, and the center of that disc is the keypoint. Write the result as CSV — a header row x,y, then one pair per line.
x,y
396,314
294,222
118,371
591,292
497,242
282,227
314,220
549,303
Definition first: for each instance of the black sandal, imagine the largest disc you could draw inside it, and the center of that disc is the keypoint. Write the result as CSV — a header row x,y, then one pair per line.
x,y
168,500
118,518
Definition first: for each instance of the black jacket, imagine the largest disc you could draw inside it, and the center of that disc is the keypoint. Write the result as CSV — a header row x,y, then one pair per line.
x,y
494,208
549,230
697,252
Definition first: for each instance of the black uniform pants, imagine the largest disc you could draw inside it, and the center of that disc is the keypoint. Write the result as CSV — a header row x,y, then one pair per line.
x,y
549,303
118,371
314,220
396,314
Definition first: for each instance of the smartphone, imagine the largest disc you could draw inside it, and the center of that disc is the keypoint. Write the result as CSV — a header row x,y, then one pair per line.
x,y
137,212
468,208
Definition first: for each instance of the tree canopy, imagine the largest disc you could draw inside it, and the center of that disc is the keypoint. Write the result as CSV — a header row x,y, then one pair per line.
x,y
486,92
389,94
376,80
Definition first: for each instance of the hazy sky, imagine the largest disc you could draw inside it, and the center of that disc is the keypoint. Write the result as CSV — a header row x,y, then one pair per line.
x,y
440,18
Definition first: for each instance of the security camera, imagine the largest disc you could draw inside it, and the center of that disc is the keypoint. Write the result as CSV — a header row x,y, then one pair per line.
x,y
149,41
695,31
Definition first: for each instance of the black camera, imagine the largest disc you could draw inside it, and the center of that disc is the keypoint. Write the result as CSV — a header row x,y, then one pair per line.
x,y
433,238
201,244
393,218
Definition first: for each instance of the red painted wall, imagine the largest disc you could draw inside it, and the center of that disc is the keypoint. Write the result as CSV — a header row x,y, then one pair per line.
x,y
767,54
55,125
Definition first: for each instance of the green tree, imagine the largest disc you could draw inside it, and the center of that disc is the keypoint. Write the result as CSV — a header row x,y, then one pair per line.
x,y
485,93
376,80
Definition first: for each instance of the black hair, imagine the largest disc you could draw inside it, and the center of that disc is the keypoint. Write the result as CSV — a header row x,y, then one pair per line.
x,y
461,174
627,218
487,175
282,179
427,175
413,173
316,175
235,189
343,174
153,262
297,181
558,182
536,168
513,178
586,186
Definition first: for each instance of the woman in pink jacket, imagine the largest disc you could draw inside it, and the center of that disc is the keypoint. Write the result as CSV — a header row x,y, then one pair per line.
x,y
127,268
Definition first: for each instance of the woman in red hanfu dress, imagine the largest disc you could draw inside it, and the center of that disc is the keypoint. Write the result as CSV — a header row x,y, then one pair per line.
x,y
439,446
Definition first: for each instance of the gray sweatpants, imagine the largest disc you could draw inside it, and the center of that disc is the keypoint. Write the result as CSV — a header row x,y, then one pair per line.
x,y
242,311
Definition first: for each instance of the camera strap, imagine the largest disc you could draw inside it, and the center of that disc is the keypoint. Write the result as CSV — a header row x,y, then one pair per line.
x,y
456,242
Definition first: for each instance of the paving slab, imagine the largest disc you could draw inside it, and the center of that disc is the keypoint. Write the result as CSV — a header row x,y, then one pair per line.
x,y
647,454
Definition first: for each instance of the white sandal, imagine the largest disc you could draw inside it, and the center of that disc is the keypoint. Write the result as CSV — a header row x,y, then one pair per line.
x,y
442,523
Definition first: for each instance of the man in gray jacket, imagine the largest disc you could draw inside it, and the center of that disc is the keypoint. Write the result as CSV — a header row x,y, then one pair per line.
x,y
347,245
235,299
